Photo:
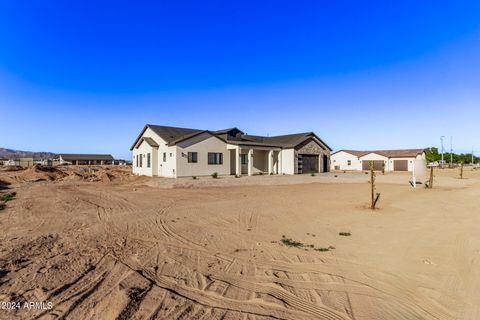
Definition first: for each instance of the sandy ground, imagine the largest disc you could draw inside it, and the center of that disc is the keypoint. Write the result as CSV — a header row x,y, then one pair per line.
x,y
126,247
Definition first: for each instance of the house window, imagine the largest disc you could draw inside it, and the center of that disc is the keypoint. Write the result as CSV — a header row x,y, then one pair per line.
x,y
141,158
164,157
349,162
148,160
192,157
137,160
244,158
215,158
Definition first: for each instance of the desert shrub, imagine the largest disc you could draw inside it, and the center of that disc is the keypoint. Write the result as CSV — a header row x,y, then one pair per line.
x,y
194,177
215,175
345,234
291,243
312,174
321,249
2,206
238,176
8,196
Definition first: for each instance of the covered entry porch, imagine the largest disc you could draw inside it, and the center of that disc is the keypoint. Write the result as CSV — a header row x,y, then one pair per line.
x,y
252,160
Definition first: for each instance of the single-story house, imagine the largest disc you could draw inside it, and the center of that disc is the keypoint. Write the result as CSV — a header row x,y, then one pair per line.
x,y
85,159
20,162
390,160
180,152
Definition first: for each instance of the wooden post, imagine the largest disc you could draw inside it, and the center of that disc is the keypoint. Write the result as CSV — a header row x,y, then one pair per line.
x,y
461,171
430,183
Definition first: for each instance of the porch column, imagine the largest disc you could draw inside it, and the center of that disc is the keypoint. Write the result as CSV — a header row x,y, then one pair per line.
x,y
279,169
238,163
250,162
270,162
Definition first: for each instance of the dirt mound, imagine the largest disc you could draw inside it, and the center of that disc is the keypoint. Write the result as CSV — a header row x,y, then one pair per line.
x,y
43,173
101,174
11,168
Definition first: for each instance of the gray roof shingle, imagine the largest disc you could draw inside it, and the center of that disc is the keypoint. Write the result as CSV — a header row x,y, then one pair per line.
x,y
173,135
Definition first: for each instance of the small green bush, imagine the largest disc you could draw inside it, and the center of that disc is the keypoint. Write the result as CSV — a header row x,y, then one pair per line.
x,y
238,176
215,175
345,234
292,243
321,249
8,196
2,206
194,177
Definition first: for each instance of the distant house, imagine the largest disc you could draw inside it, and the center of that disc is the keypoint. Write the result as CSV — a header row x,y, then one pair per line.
x,y
85,159
179,152
21,162
391,160
26,162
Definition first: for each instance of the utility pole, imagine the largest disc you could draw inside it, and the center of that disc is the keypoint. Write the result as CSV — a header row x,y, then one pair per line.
x,y
472,156
441,140
451,152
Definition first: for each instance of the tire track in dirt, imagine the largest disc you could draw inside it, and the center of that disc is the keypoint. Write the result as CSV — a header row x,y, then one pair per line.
x,y
254,307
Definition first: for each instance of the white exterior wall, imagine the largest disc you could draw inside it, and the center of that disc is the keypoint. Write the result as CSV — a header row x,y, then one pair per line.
x,y
167,168
158,167
142,151
341,159
420,160
287,161
202,144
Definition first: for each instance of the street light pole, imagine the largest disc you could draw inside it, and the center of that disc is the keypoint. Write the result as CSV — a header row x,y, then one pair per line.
x,y
451,152
441,140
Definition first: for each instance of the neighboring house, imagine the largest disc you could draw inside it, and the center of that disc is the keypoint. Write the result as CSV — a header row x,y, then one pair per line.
x,y
391,160
26,162
179,152
85,159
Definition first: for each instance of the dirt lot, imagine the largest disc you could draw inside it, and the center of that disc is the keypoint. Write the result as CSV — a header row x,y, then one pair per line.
x,y
102,244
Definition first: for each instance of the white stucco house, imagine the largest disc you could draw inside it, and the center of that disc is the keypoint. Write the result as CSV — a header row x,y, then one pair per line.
x,y
391,160
180,152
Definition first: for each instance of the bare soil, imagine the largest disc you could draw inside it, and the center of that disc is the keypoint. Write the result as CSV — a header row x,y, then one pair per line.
x,y
100,243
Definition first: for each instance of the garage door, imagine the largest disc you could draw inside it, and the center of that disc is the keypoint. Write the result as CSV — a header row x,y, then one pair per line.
x,y
308,163
377,165
400,165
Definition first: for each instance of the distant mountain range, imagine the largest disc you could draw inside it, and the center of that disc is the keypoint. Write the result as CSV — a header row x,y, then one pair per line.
x,y
16,154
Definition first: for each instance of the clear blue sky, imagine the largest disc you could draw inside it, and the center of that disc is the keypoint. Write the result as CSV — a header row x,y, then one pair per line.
x,y
85,76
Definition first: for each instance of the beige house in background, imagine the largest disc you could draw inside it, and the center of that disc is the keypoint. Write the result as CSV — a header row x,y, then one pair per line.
x,y
391,160
180,152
